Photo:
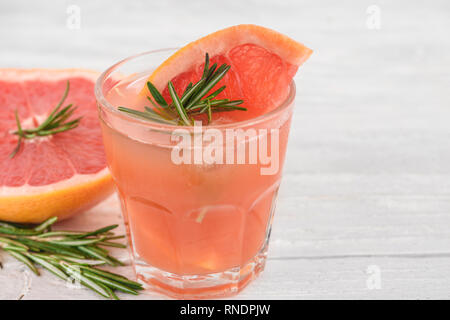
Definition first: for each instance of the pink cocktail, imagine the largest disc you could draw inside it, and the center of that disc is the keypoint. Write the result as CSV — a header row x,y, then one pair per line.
x,y
198,216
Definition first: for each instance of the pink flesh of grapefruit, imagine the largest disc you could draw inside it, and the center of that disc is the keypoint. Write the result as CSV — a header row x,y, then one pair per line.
x,y
263,63
56,175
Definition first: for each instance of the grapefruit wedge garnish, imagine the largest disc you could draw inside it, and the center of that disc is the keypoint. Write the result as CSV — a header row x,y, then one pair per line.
x,y
263,63
56,175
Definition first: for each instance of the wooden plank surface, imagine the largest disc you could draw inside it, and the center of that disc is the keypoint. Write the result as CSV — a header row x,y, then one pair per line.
x,y
364,208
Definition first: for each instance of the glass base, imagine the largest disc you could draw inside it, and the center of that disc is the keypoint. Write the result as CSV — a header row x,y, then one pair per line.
x,y
212,285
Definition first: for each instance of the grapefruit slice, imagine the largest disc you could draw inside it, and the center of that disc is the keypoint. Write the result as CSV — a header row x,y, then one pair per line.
x,y
57,175
263,63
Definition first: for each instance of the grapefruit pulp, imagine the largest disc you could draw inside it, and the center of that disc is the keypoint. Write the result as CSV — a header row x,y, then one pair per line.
x,y
57,175
263,63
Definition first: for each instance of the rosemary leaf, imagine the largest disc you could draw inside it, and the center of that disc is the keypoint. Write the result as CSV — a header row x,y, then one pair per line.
x,y
11,230
108,282
115,277
59,234
193,90
115,237
51,247
88,262
206,67
98,231
11,242
68,254
76,243
156,95
76,274
214,80
95,254
50,267
188,88
111,293
178,105
209,111
54,111
115,261
46,224
192,101
23,259
111,244
145,115
216,93
211,71
54,123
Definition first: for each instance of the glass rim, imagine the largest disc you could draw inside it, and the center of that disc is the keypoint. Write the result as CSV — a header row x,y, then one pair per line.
x,y
104,103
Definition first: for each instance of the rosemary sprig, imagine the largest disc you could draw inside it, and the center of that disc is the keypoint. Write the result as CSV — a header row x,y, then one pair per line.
x,y
57,121
68,255
191,103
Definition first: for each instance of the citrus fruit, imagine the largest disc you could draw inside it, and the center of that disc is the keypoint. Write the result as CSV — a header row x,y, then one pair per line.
x,y
56,175
263,63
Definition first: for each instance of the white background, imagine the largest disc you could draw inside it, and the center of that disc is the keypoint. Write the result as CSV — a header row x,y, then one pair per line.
x,y
364,208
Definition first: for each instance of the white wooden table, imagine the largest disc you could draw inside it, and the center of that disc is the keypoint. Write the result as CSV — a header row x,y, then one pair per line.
x,y
364,208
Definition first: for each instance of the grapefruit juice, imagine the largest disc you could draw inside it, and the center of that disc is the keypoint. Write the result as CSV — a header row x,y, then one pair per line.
x,y
197,228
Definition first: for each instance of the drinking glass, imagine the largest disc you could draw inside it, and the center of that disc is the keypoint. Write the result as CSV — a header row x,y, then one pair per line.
x,y
198,216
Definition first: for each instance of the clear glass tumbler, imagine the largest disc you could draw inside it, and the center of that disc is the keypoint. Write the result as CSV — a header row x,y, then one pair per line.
x,y
197,201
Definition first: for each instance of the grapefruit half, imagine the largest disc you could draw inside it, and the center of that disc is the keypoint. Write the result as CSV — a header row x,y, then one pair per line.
x,y
263,63
58,175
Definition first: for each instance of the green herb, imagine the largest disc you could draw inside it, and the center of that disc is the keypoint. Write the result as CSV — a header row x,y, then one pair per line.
x,y
191,103
57,121
70,255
